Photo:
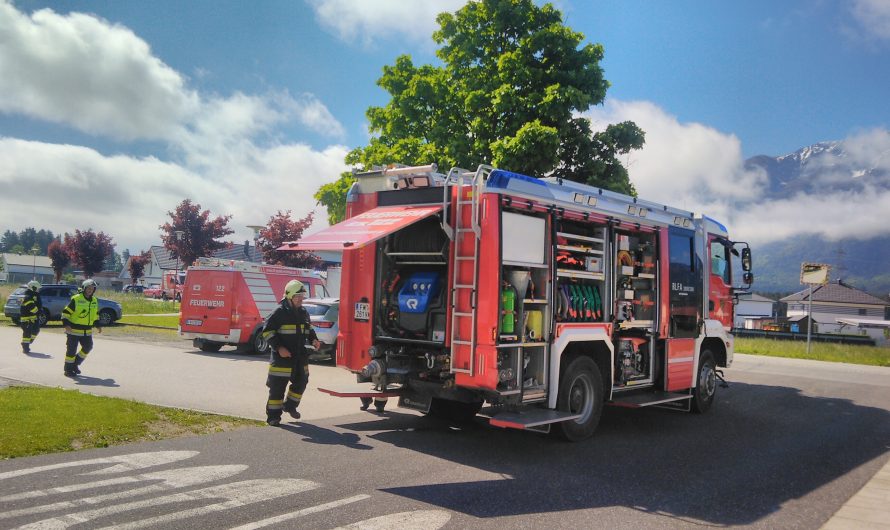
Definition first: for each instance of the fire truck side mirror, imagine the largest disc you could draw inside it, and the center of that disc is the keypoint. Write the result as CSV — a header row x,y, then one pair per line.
x,y
746,261
748,278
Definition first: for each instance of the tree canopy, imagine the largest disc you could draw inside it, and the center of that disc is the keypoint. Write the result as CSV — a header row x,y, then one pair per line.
x,y
513,82
281,229
137,265
199,232
89,250
58,257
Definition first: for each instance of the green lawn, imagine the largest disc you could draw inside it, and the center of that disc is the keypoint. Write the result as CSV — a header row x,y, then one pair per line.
x,y
820,351
38,420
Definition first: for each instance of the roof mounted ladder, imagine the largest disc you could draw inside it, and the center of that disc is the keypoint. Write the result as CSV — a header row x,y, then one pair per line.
x,y
464,275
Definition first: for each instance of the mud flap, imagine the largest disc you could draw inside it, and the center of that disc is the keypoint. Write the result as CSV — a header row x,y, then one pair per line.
x,y
417,402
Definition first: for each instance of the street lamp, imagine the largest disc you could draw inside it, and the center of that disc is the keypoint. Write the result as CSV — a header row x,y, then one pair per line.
x,y
256,237
34,251
178,234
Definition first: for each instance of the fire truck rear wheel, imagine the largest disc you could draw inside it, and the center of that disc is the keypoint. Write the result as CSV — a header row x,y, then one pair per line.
x,y
260,344
703,396
211,347
580,392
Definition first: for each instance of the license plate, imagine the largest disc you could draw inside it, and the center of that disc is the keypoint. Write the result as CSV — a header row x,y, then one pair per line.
x,y
363,311
193,322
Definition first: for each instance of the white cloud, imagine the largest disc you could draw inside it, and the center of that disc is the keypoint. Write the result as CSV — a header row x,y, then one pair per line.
x,y
86,73
83,71
696,167
101,78
372,20
874,16
128,198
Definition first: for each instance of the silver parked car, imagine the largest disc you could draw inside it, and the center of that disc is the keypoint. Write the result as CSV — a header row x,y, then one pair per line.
x,y
54,298
324,313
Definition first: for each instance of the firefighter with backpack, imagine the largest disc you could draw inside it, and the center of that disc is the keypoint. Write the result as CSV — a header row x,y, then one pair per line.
x,y
31,308
287,329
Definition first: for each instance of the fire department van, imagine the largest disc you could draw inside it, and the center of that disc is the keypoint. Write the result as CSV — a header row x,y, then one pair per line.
x,y
544,298
225,302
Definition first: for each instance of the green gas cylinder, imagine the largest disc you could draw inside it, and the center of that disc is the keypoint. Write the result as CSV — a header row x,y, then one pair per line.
x,y
508,303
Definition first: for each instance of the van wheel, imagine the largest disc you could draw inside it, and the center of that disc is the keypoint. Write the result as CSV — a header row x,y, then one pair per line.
x,y
211,347
106,317
260,344
580,392
703,395
43,317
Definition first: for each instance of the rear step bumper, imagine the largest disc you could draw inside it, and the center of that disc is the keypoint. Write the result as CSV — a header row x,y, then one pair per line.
x,y
360,390
648,399
529,418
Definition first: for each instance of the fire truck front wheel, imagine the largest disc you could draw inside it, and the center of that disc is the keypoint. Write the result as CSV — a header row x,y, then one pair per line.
x,y
703,396
580,392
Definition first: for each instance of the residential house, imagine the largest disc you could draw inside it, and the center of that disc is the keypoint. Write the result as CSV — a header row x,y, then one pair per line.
x,y
833,301
22,268
753,310
161,260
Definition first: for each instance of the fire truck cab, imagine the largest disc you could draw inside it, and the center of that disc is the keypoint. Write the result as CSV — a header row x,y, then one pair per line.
x,y
545,299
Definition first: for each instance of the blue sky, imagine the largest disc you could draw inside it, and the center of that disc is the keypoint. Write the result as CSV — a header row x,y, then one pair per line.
x,y
247,107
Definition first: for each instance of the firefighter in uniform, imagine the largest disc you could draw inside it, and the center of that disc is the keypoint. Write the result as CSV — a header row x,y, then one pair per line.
x,y
79,317
32,305
287,330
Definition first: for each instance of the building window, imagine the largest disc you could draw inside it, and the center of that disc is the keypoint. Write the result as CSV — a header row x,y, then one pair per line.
x,y
862,312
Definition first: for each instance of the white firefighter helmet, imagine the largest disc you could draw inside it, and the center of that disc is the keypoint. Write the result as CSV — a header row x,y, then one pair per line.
x,y
89,283
34,285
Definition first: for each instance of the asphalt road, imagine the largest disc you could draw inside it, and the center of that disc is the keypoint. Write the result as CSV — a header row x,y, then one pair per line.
x,y
784,447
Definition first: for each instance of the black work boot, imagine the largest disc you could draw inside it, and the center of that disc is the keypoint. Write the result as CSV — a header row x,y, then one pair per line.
x,y
26,348
292,410
366,402
272,421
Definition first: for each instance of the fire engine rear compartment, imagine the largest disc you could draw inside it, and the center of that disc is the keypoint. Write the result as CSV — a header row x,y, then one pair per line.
x,y
515,289
554,274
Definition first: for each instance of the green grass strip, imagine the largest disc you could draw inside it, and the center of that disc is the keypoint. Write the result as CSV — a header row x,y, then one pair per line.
x,y
819,351
38,420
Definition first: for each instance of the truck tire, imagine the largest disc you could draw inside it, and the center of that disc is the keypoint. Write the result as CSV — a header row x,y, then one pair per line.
x,y
106,317
580,392
259,343
210,347
706,389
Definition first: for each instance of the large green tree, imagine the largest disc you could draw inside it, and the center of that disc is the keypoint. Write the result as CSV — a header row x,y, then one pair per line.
x,y
512,86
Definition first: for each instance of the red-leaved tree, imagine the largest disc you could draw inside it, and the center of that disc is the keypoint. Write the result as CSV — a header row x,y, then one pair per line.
x,y
281,229
88,250
199,232
58,257
137,265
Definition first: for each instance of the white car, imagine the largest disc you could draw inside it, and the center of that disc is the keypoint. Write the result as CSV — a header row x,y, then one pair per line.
x,y
324,313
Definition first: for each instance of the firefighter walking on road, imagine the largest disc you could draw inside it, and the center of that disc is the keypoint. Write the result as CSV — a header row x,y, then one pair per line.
x,y
287,330
79,317
31,308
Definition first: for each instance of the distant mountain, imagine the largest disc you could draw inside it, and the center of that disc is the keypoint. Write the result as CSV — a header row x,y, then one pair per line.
x,y
823,168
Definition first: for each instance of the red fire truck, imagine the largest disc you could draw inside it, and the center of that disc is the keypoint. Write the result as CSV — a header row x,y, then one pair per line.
x,y
226,301
544,298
